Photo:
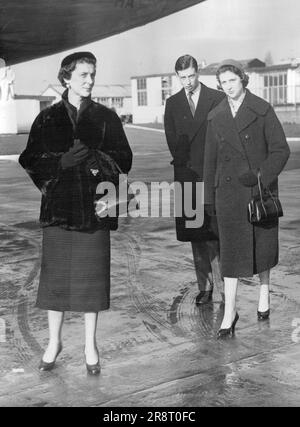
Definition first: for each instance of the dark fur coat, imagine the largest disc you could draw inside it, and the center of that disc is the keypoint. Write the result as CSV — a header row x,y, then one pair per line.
x,y
68,195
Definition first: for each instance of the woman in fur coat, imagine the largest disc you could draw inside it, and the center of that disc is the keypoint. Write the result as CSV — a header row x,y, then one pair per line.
x,y
71,146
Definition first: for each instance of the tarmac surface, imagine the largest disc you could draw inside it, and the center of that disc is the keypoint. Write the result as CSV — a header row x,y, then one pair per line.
x,y
157,348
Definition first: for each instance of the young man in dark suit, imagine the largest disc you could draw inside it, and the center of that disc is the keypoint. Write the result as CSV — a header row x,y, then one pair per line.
x,y
185,127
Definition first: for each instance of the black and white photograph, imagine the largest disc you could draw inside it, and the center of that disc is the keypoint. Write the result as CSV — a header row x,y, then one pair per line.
x,y
149,206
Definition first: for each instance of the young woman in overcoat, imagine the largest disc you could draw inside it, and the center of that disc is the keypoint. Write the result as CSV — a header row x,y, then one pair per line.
x,y
244,136
60,158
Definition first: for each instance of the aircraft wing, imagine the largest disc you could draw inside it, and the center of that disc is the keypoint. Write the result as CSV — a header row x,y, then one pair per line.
x,y
31,29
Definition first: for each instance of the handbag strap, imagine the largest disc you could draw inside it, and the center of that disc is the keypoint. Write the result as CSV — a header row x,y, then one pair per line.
x,y
270,194
98,163
119,169
96,157
260,186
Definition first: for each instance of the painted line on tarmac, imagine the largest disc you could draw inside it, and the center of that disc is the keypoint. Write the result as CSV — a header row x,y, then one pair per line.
x,y
12,157
292,139
145,128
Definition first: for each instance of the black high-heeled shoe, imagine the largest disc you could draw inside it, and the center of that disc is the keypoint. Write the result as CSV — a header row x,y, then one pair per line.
x,y
48,366
93,369
263,315
225,332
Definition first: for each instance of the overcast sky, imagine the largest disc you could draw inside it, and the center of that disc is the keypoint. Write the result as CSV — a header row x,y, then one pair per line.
x,y
210,31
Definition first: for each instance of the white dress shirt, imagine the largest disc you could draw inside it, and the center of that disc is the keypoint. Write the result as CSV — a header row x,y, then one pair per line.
x,y
236,103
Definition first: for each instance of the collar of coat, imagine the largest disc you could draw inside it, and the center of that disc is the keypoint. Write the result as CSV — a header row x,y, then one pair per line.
x,y
229,128
75,114
90,126
251,107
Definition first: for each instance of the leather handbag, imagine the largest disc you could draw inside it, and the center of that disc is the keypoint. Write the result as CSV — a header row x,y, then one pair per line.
x,y
103,167
265,207
110,171
119,206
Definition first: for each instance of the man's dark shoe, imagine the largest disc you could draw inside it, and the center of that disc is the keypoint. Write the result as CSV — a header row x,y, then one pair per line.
x,y
204,297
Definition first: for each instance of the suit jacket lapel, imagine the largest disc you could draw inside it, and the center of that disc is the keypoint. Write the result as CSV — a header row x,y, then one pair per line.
x,y
202,109
185,105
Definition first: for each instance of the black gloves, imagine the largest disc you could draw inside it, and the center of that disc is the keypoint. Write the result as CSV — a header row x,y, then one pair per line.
x,y
77,154
248,179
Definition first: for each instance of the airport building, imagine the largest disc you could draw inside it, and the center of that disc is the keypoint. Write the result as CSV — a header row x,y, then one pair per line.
x,y
116,97
17,115
278,84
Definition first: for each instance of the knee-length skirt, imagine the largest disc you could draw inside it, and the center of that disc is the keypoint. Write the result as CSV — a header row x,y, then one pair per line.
x,y
75,271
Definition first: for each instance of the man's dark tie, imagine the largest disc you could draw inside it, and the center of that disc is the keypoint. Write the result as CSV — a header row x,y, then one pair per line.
x,y
191,103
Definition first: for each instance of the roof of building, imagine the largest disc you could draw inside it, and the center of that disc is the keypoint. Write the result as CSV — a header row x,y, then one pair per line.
x,y
36,97
99,91
209,69
275,67
154,75
248,64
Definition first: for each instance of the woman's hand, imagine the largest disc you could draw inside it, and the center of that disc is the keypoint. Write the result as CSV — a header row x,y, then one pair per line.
x,y
76,155
248,179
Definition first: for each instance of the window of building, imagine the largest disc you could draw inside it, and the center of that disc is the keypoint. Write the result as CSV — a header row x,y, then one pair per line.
x,y
166,88
142,91
275,88
117,102
104,101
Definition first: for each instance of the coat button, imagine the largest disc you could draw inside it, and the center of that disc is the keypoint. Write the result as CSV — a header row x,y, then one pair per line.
x,y
227,158
247,137
228,178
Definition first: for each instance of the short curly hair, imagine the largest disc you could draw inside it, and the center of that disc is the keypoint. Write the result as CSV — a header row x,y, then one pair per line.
x,y
65,71
243,76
